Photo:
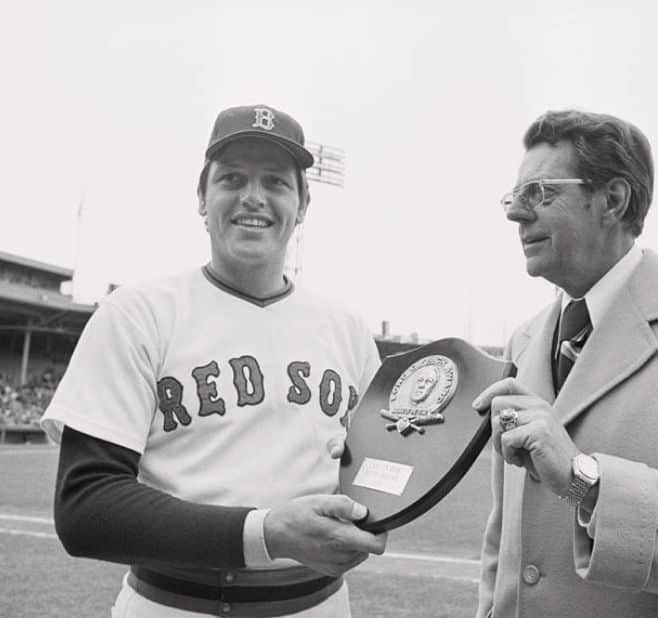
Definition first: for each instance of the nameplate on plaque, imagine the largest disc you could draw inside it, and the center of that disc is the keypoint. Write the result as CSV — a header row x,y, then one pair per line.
x,y
386,476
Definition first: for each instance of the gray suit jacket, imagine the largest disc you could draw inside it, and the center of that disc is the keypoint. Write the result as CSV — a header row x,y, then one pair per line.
x,y
536,559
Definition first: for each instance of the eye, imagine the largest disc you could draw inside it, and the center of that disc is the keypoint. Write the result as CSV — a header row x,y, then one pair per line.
x,y
278,181
530,193
229,178
550,193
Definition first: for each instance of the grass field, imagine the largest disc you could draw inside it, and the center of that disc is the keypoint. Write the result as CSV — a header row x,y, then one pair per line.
x,y
429,570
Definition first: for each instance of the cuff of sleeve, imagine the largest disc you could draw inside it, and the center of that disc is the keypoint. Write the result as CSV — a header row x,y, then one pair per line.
x,y
253,536
587,521
625,526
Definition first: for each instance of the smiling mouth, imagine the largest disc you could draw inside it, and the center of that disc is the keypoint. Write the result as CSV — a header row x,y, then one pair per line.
x,y
252,222
529,242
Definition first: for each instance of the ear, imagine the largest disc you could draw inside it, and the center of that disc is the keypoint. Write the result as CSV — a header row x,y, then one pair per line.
x,y
301,212
202,188
617,198
203,211
304,201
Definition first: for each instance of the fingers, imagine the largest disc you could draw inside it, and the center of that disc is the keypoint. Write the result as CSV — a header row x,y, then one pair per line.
x,y
508,386
318,531
341,507
511,445
504,419
536,440
380,543
509,431
336,446
513,448
508,411
510,434
513,402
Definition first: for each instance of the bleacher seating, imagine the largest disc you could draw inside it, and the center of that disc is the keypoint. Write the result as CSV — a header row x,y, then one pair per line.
x,y
21,407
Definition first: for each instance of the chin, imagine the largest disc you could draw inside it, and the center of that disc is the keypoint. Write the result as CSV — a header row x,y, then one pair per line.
x,y
255,256
551,276
252,258
535,267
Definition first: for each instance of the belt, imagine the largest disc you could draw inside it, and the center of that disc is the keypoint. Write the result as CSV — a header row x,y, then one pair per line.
x,y
232,599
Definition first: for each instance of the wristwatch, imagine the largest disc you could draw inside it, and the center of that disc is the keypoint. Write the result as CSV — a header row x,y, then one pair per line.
x,y
586,474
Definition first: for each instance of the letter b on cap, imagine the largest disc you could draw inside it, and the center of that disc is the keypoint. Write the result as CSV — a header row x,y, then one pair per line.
x,y
264,118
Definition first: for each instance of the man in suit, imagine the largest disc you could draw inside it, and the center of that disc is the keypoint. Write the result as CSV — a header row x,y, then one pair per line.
x,y
573,527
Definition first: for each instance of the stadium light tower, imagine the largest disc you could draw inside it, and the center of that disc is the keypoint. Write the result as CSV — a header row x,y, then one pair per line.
x,y
329,166
329,169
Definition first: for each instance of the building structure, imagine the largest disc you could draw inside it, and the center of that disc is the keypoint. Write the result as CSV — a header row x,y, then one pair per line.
x,y
39,322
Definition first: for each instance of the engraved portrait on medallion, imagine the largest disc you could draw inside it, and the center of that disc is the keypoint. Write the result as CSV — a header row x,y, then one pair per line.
x,y
420,393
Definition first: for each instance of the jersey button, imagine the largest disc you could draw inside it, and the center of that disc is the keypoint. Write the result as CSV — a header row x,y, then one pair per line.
x,y
531,574
229,578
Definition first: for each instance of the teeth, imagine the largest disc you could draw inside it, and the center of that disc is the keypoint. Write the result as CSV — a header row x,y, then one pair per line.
x,y
252,222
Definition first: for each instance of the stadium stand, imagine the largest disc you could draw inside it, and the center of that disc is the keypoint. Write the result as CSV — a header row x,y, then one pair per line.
x,y
21,407
39,327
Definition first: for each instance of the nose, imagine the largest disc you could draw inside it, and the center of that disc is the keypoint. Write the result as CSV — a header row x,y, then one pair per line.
x,y
252,195
519,214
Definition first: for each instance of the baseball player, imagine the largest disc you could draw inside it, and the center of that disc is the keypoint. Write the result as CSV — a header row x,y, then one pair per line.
x,y
200,415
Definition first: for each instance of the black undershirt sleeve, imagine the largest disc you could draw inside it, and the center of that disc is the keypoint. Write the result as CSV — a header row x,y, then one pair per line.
x,y
102,511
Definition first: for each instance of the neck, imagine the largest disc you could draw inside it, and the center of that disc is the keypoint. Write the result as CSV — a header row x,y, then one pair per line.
x,y
613,251
262,281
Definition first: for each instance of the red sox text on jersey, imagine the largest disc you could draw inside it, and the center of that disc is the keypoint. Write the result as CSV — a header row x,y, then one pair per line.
x,y
249,383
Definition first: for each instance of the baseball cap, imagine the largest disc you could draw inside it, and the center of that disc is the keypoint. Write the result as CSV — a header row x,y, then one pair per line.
x,y
261,121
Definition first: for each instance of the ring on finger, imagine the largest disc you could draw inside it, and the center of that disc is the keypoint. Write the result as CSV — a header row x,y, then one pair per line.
x,y
508,419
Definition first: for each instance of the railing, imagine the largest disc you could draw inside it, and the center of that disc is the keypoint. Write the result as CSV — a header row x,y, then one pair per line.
x,y
22,434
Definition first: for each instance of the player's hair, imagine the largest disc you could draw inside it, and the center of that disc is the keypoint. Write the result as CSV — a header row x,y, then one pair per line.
x,y
302,181
606,147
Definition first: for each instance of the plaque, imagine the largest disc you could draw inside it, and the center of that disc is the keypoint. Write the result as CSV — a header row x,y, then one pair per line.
x,y
415,433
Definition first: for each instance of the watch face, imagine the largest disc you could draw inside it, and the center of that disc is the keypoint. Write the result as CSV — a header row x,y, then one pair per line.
x,y
587,466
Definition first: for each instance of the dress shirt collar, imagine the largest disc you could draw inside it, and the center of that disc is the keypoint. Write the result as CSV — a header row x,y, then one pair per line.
x,y
603,292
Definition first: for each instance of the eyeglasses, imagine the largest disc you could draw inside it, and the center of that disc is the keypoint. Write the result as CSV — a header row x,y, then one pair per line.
x,y
531,194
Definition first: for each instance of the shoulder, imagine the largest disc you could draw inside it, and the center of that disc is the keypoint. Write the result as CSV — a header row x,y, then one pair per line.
x,y
650,260
328,308
529,327
642,285
527,330
154,299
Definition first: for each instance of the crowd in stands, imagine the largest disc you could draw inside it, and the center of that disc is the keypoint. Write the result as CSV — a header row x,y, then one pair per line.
x,y
24,405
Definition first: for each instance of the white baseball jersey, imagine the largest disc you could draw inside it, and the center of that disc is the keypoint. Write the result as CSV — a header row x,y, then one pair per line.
x,y
229,401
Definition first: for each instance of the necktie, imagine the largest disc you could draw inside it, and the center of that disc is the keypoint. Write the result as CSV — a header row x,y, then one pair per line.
x,y
575,327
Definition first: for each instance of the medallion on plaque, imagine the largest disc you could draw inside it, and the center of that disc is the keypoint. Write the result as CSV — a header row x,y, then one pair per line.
x,y
415,433
420,394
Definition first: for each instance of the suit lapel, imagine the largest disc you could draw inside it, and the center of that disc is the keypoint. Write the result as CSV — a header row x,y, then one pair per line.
x,y
534,359
617,347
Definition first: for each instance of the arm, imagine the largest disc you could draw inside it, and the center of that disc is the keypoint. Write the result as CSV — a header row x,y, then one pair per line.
x,y
618,546
102,511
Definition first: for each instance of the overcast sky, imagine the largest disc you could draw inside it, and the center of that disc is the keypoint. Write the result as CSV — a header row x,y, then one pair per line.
x,y
111,104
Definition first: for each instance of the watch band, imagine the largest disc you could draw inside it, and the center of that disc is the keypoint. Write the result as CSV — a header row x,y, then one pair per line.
x,y
585,475
577,491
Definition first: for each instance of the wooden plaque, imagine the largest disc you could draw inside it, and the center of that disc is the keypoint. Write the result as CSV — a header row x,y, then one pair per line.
x,y
415,433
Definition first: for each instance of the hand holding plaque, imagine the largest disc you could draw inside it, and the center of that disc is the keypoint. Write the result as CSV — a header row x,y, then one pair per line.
x,y
415,433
